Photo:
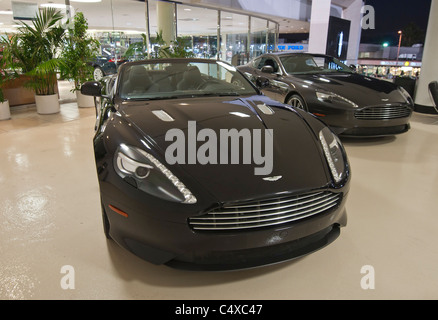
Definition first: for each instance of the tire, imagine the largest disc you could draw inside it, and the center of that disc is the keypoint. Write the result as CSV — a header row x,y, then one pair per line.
x,y
98,74
106,224
296,101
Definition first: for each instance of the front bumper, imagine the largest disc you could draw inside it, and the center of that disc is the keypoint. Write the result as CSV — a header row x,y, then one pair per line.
x,y
346,122
364,132
159,232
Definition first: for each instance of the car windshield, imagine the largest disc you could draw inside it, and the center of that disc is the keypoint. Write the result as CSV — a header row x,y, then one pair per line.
x,y
181,79
306,63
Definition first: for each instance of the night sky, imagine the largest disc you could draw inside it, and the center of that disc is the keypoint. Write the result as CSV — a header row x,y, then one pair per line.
x,y
394,15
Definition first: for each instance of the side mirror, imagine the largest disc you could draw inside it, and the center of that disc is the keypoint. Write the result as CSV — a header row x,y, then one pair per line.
x,y
353,67
91,88
267,69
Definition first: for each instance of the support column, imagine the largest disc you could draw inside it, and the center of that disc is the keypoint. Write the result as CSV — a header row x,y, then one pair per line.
x,y
166,20
148,30
353,13
429,68
218,35
223,47
248,42
319,23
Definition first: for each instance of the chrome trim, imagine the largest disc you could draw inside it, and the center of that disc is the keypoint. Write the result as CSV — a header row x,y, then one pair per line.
x,y
383,113
128,165
265,213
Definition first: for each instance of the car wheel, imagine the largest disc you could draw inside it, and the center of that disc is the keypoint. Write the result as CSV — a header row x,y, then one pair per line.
x,y
98,73
106,224
297,102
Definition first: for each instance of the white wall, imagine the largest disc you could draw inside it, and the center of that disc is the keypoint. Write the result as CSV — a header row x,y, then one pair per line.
x,y
429,70
292,9
319,22
353,13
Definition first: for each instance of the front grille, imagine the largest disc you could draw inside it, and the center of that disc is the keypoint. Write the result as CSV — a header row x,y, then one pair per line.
x,y
265,213
383,113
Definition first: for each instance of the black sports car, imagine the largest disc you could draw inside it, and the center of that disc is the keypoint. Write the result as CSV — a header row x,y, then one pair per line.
x,y
350,103
105,66
198,170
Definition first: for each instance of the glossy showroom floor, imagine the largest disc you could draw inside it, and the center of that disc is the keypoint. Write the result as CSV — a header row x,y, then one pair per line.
x,y
50,218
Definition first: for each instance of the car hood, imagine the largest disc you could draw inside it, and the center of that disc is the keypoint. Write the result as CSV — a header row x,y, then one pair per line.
x,y
364,91
297,160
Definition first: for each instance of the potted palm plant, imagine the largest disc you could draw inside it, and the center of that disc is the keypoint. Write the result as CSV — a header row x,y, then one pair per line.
x,y
78,51
5,113
33,50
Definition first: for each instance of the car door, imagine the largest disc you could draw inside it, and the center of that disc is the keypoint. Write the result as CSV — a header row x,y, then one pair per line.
x,y
271,84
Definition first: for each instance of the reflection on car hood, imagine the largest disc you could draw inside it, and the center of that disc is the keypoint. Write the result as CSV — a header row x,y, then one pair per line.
x,y
297,156
364,91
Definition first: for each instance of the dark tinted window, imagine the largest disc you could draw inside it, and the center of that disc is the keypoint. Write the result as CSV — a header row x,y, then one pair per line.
x,y
306,63
268,61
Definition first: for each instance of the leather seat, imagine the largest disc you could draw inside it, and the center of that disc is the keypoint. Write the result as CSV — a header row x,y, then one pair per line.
x,y
192,79
139,82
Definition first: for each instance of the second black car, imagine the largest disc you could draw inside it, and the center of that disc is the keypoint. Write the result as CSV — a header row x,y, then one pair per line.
x,y
350,103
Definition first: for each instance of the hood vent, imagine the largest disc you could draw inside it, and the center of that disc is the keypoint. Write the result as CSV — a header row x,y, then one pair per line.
x,y
163,115
265,109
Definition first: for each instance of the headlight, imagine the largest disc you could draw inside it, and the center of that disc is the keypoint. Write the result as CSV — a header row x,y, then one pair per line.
x,y
334,154
405,95
145,172
331,97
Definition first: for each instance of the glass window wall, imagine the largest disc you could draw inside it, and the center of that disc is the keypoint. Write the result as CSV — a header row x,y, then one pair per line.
x,y
122,26
241,37
234,38
259,37
197,30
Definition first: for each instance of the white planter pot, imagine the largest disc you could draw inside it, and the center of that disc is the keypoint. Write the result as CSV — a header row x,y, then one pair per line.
x,y
84,101
5,113
47,104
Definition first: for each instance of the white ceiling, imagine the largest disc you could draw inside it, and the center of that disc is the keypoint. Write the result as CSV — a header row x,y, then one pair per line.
x,y
130,15
343,3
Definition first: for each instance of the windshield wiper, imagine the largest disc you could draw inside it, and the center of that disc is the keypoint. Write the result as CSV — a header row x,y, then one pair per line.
x,y
161,98
217,94
182,96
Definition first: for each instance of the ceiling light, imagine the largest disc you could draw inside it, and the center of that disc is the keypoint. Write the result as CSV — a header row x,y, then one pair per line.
x,y
187,9
5,12
53,5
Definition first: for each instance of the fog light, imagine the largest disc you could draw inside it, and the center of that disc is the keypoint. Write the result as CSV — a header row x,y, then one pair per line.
x,y
142,172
